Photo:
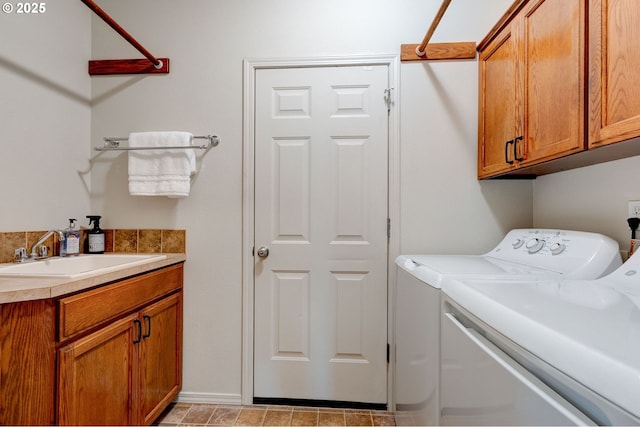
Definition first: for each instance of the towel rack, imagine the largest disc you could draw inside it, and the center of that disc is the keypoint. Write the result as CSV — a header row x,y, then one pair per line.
x,y
113,144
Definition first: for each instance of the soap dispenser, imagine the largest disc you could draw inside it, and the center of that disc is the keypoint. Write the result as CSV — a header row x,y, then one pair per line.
x,y
71,243
95,236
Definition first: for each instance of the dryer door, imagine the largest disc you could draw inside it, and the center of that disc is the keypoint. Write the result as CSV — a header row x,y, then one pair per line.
x,y
482,385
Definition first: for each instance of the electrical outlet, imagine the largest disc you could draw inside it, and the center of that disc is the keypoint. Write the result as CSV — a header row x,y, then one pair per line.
x,y
634,209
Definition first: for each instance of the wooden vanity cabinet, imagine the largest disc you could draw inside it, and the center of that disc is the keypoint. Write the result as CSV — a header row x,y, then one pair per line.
x,y
531,71
110,355
124,371
614,76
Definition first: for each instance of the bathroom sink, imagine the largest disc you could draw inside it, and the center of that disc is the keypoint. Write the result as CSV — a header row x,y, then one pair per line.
x,y
77,266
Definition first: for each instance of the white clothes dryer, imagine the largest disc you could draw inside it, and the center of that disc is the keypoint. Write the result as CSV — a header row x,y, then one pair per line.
x,y
522,254
580,338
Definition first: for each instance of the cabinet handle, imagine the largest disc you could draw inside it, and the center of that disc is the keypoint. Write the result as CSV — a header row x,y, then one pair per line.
x,y
139,324
515,149
506,151
147,319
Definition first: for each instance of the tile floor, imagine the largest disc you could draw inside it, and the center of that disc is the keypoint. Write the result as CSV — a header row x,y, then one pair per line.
x,y
185,414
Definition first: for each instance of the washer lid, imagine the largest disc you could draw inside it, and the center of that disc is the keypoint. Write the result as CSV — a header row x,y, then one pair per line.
x,y
590,330
431,269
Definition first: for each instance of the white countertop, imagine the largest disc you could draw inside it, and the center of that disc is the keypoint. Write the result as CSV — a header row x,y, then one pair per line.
x,y
16,289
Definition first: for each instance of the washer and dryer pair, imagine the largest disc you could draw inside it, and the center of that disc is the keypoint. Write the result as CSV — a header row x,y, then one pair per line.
x,y
522,255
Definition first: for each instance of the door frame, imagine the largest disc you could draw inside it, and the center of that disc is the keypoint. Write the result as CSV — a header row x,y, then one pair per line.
x,y
251,66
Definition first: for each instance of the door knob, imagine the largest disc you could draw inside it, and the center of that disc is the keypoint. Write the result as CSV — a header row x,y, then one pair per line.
x,y
263,252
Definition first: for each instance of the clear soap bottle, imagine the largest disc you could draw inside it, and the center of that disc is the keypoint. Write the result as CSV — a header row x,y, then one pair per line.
x,y
71,243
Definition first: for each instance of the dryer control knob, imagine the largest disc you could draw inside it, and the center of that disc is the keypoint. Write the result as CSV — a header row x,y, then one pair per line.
x,y
557,248
517,243
534,245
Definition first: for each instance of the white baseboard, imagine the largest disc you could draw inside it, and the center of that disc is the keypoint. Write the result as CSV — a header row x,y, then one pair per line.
x,y
209,398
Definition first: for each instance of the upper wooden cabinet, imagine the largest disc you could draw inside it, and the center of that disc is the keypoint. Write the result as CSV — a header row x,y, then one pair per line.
x,y
614,71
532,79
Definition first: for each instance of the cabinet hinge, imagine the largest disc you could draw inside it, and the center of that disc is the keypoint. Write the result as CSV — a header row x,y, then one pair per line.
x,y
388,353
388,98
388,228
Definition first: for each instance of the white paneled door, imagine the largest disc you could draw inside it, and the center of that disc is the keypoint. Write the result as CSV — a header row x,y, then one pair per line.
x,y
321,209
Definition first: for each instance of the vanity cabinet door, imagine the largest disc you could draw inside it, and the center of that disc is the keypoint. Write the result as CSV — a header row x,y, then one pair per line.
x,y
96,382
614,80
160,356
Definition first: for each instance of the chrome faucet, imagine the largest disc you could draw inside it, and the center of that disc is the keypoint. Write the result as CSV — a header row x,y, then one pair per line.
x,y
38,250
36,247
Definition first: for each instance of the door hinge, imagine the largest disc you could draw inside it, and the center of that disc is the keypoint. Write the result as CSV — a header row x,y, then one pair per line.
x,y
388,353
388,99
388,228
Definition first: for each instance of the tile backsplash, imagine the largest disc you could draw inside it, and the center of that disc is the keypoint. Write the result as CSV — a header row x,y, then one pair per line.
x,y
116,240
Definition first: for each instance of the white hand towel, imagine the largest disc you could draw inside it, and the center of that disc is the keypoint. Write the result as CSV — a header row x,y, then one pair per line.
x,y
161,172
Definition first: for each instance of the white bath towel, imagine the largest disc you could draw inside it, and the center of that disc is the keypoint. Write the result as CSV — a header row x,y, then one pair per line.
x,y
161,172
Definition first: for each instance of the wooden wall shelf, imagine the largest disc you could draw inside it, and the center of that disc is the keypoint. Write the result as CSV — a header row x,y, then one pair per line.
x,y
127,66
439,51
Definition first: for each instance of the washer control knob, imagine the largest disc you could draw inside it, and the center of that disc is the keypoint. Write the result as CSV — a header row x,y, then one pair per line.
x,y
517,243
534,245
557,248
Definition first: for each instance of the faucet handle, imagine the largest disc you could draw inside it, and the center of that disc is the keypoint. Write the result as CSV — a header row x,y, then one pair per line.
x,y
43,251
20,254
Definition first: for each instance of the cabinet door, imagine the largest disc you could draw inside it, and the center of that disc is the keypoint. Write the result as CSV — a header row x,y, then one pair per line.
x,y
96,377
498,104
161,356
27,363
614,80
553,40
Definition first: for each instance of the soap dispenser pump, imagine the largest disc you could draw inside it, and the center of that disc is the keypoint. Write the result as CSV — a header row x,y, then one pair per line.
x,y
95,236
71,243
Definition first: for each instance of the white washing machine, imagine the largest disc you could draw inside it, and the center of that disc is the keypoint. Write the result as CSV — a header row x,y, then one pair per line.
x,y
522,254
578,339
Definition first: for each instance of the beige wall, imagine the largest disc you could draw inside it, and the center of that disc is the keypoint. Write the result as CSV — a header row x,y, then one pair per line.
x,y
591,199
45,110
